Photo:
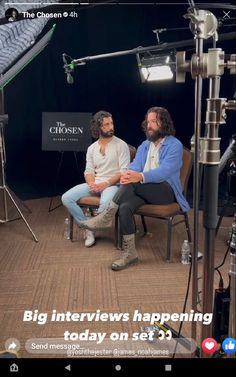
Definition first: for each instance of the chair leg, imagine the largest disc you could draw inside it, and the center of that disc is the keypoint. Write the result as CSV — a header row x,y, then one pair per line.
x,y
118,237
120,245
71,227
169,231
144,224
116,231
91,211
187,227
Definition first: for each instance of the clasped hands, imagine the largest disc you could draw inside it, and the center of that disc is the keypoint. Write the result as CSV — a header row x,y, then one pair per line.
x,y
130,176
98,187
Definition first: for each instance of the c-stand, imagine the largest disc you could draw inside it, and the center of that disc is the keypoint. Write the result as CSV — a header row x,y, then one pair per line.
x,y
4,80
207,65
3,185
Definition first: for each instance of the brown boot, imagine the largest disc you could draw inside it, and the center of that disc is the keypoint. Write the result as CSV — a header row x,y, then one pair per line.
x,y
103,220
129,255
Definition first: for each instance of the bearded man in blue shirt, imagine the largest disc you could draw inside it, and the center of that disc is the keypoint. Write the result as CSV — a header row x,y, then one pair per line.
x,y
152,178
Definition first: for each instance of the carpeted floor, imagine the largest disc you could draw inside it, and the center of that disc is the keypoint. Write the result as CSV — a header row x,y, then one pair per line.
x,y
57,274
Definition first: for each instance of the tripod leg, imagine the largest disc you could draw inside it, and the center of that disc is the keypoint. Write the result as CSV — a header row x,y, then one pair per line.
x,y
2,173
5,204
26,207
55,183
21,214
21,202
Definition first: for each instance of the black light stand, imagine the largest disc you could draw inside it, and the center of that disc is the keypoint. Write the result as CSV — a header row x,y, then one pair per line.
x,y
209,65
210,156
200,33
3,186
4,80
212,66
203,24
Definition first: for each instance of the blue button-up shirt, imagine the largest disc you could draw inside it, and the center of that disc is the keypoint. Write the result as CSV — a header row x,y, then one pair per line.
x,y
170,162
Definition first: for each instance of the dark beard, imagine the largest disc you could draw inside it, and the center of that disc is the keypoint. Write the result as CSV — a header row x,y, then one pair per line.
x,y
107,134
155,136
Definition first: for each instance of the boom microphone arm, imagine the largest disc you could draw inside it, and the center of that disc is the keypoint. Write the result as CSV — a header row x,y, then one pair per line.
x,y
159,48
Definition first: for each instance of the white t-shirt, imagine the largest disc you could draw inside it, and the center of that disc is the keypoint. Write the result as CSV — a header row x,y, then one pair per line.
x,y
115,159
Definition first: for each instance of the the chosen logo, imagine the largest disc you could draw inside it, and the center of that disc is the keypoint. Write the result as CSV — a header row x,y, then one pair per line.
x,y
229,345
209,345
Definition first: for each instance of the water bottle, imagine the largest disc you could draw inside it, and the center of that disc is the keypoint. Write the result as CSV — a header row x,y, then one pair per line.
x,y
233,236
229,236
67,229
232,233
185,251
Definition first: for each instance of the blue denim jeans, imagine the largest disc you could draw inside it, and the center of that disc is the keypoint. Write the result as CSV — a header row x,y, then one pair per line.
x,y
70,198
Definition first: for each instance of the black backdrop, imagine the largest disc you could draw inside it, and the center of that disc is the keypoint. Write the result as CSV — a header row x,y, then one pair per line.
x,y
111,84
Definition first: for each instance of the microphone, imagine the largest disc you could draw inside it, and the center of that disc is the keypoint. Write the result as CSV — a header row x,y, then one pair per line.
x,y
68,69
69,78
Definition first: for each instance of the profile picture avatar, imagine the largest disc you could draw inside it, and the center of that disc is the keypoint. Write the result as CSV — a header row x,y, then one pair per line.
x,y
11,14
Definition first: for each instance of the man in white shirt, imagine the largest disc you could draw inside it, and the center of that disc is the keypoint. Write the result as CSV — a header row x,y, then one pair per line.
x,y
106,158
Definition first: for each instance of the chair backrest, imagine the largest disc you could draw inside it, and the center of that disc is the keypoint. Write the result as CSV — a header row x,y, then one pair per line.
x,y
186,169
132,151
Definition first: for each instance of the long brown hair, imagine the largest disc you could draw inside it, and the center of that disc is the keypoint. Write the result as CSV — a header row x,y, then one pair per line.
x,y
96,122
164,118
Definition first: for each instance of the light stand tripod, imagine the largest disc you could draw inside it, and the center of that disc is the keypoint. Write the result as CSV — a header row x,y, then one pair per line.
x,y
3,186
4,80
211,65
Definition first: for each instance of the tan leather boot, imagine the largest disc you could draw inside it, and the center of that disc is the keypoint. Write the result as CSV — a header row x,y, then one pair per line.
x,y
129,255
103,220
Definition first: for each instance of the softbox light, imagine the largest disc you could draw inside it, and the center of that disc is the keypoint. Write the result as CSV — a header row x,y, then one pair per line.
x,y
17,37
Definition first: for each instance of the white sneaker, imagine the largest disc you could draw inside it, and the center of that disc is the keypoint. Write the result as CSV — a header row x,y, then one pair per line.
x,y
89,237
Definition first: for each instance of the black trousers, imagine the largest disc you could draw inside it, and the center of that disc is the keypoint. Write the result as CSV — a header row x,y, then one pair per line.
x,y
132,196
